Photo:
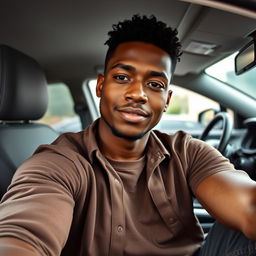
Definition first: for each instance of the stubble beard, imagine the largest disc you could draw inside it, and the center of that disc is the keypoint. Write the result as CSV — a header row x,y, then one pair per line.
x,y
120,134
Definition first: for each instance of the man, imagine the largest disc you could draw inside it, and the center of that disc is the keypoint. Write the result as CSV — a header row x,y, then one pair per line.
x,y
119,188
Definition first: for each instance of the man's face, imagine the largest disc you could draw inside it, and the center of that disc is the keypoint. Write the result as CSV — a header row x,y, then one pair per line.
x,y
134,91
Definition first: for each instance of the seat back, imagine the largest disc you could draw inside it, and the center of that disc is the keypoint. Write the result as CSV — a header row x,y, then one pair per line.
x,y
23,99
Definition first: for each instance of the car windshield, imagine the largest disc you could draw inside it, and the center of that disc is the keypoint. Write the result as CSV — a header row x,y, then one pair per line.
x,y
224,71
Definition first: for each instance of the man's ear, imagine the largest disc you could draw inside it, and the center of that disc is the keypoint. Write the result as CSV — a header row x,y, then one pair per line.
x,y
168,100
100,81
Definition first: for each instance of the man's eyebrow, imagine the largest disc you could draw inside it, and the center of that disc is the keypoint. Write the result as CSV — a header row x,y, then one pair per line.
x,y
131,68
159,74
123,66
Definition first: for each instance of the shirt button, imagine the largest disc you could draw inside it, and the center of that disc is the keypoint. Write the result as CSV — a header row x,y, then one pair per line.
x,y
172,220
120,228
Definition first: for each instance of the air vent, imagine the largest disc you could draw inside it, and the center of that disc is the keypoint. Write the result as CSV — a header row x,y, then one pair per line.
x,y
202,48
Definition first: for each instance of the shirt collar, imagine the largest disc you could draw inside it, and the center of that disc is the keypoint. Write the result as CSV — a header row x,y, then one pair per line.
x,y
155,147
90,140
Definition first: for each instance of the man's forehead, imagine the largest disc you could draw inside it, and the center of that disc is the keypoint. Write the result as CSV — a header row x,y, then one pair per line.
x,y
139,46
141,52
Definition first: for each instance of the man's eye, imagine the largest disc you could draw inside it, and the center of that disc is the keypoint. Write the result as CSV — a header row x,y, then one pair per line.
x,y
121,77
156,85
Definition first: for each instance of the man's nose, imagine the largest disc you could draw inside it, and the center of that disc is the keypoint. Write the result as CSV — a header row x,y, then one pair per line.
x,y
136,92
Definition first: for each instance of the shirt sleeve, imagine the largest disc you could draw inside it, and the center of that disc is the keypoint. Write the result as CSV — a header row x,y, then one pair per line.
x,y
202,161
38,206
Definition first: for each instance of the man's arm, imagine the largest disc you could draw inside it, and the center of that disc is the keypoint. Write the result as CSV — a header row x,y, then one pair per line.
x,y
37,211
10,246
230,197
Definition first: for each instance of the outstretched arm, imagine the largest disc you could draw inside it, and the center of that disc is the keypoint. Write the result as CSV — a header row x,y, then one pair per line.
x,y
10,246
230,197
37,211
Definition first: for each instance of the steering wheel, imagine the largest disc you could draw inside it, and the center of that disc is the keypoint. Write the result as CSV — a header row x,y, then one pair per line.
x,y
226,130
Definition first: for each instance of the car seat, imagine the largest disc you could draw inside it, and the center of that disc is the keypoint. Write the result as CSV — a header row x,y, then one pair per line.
x,y
23,99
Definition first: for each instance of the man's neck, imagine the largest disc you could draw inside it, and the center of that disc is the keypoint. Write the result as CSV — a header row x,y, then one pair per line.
x,y
118,148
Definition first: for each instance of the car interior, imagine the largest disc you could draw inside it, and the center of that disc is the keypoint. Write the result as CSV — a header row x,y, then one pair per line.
x,y
18,136
44,44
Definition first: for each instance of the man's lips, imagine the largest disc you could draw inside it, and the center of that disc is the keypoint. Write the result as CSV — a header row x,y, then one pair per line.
x,y
132,114
134,111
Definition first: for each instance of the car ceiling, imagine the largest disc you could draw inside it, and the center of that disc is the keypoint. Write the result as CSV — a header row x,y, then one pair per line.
x,y
67,37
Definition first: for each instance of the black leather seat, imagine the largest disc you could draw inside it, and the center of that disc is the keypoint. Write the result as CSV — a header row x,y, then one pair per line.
x,y
23,98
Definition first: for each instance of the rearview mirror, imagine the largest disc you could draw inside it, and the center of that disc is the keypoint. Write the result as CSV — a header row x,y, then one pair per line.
x,y
246,58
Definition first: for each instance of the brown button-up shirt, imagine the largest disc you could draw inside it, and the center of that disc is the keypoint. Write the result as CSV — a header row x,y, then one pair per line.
x,y
68,199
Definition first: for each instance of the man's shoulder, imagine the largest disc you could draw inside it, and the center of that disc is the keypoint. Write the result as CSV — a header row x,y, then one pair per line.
x,y
59,164
69,145
66,140
179,141
65,156
177,137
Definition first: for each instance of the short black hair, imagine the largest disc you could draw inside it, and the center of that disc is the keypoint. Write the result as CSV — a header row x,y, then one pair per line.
x,y
145,29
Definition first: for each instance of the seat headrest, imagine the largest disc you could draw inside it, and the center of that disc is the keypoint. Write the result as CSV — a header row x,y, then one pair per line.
x,y
23,86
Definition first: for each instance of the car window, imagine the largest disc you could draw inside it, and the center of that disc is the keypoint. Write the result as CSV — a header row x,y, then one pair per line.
x,y
187,105
224,71
184,109
60,113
